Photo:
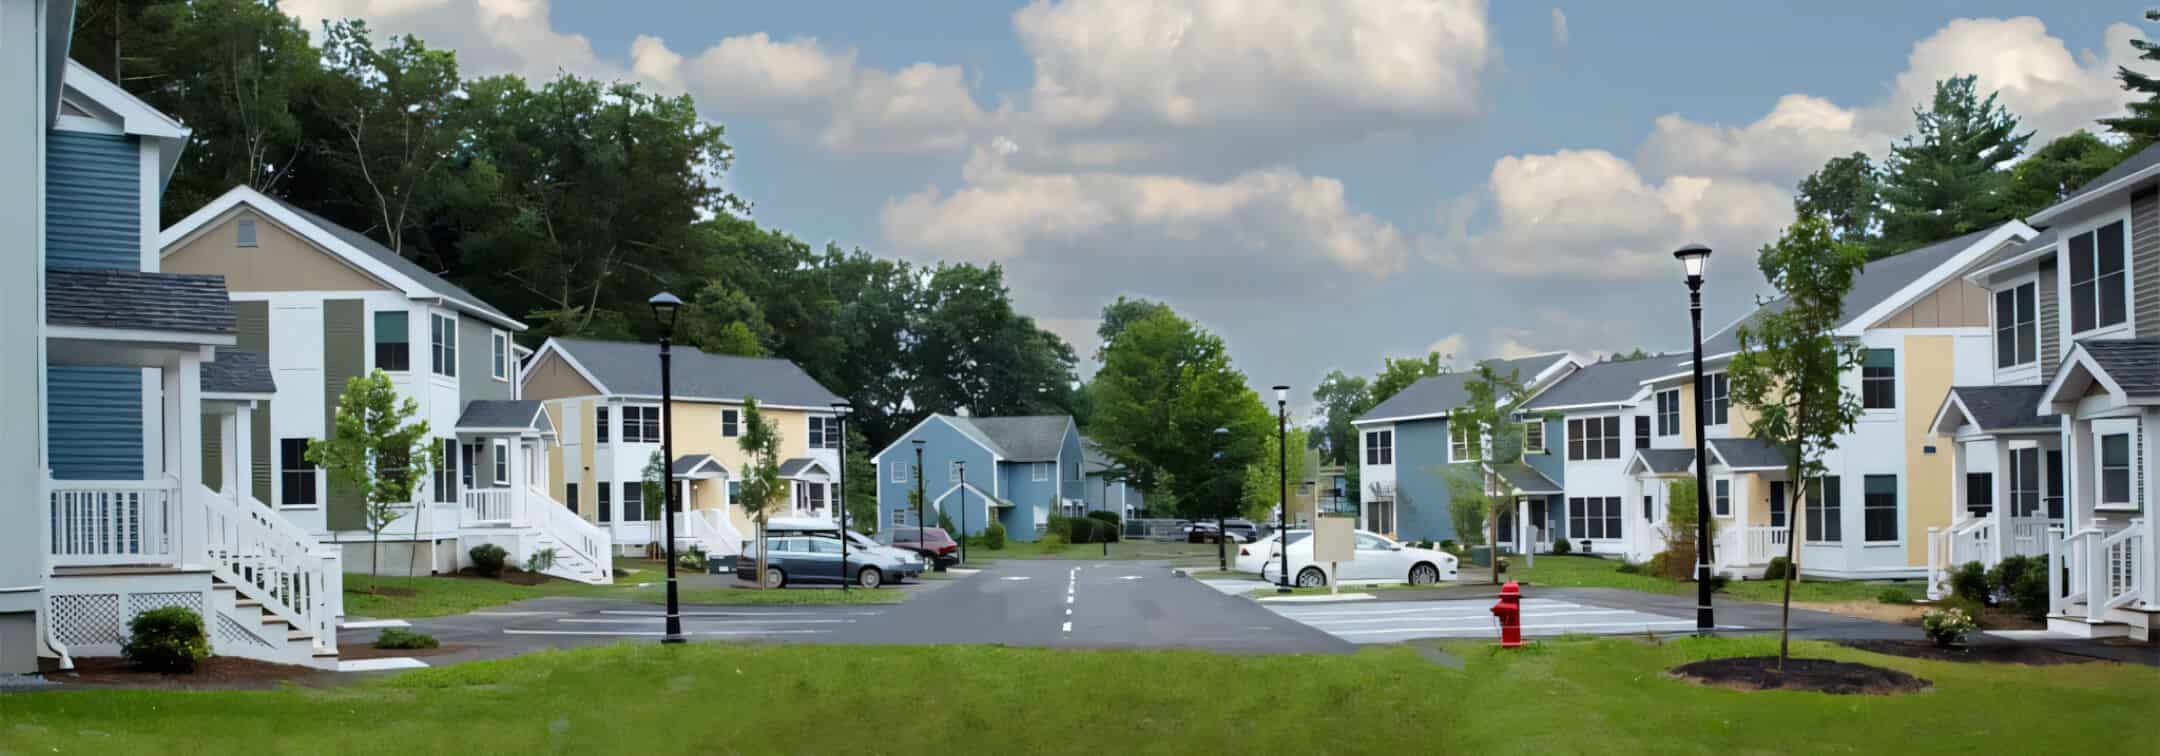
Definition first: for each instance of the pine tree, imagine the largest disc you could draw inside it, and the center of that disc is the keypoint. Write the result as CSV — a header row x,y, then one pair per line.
x,y
1942,180
2142,125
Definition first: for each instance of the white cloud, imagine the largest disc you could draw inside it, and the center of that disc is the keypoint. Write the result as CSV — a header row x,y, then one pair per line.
x,y
1454,346
1589,214
490,36
1559,28
1547,330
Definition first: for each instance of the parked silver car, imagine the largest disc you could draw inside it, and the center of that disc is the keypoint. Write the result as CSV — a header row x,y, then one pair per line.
x,y
814,559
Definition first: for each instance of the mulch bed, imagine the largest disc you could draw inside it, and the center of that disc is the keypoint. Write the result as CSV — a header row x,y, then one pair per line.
x,y
2000,653
1818,675
217,672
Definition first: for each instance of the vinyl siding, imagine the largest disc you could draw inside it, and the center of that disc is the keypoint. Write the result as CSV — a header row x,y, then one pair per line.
x,y
344,357
95,416
476,362
213,465
2050,317
942,444
2145,262
1421,492
93,205
252,331
1553,463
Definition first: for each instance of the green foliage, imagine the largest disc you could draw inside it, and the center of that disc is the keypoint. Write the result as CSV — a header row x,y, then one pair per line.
x,y
967,321
2051,173
1776,570
994,536
693,560
1468,503
542,560
401,639
945,522
653,485
1629,568
762,488
167,639
1682,514
1845,192
1561,547
377,450
1164,388
1942,180
1341,398
2022,580
1662,565
1121,313
1397,373
2142,124
1948,627
1106,516
1894,595
1052,541
1263,484
1969,581
488,559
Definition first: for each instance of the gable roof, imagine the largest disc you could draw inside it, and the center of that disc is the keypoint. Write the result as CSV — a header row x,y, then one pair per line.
x,y
1881,283
1604,383
138,301
137,118
1994,409
1747,453
1027,438
628,368
238,372
797,467
1524,479
1661,462
689,465
504,414
358,249
1098,462
1437,395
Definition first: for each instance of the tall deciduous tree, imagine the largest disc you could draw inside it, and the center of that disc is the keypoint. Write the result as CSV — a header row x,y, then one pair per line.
x,y
2059,168
1121,313
390,107
1397,373
1489,419
2142,125
974,352
1846,190
1942,180
762,487
1263,479
379,450
1164,387
1342,398
1787,372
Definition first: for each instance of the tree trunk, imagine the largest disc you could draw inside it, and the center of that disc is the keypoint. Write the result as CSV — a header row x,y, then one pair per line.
x,y
374,562
1793,516
761,563
412,559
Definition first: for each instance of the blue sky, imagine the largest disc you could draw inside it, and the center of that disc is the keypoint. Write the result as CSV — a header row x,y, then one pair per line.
x,y
1323,184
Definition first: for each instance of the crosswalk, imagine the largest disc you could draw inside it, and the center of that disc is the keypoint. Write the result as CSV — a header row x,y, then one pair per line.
x,y
1392,621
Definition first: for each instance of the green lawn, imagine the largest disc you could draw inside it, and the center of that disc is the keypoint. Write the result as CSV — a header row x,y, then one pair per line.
x,y
1602,696
438,596
1587,572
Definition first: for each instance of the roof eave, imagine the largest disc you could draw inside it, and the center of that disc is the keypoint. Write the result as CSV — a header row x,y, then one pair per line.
x,y
2049,215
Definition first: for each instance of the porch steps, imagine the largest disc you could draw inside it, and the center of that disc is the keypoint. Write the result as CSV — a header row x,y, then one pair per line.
x,y
2135,622
239,626
569,565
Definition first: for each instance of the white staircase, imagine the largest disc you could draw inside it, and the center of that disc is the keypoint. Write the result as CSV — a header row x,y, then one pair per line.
x,y
2101,583
710,530
276,592
526,521
1971,540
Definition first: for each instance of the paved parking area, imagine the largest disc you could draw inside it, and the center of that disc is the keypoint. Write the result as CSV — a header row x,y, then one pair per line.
x,y
1391,621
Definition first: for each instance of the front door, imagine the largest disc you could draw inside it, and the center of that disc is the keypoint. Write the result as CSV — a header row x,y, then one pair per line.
x,y
1777,503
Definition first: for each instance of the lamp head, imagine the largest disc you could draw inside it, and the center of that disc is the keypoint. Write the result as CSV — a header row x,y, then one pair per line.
x,y
1282,394
1694,258
664,307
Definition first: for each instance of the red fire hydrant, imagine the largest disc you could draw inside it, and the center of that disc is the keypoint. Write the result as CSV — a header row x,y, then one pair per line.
x,y
1509,611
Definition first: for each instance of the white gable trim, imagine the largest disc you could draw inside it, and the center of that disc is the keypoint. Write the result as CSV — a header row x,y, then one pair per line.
x,y
2078,361
136,117
555,348
1942,414
2047,216
202,219
1920,287
995,457
939,502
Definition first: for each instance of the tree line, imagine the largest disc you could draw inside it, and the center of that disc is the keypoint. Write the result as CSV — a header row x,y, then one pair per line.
x,y
566,203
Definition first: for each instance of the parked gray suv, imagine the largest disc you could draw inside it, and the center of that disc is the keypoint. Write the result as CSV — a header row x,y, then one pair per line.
x,y
814,559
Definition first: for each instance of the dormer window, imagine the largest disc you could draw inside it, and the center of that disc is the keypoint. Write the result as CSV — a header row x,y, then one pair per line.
x,y
244,232
2099,283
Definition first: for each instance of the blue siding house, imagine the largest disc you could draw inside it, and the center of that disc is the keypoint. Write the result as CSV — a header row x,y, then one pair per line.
x,y
1407,450
1018,470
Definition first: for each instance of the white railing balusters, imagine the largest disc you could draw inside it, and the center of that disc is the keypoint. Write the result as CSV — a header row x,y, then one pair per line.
x,y
117,522
1765,542
269,560
488,506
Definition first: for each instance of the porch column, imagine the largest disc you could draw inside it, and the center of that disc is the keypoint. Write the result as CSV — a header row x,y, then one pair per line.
x,y
182,453
241,451
2078,490
1524,543
516,482
2000,503
2149,424
1958,467
227,479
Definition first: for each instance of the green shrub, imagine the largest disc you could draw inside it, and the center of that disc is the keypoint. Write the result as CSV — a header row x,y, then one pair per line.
x,y
1948,626
168,639
692,560
544,560
2031,591
1106,516
488,559
1448,545
1777,569
1893,595
1628,568
401,638
1060,526
994,536
1053,542
1561,546
1970,582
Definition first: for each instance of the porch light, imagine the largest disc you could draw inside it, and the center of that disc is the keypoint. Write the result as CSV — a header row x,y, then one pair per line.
x,y
1695,258
664,306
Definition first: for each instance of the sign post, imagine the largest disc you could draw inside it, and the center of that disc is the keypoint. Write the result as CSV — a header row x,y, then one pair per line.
x,y
1334,542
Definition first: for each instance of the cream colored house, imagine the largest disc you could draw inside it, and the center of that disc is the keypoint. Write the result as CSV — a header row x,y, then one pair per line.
x,y
604,398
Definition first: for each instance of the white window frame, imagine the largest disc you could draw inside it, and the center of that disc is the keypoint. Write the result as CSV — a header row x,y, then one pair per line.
x,y
1539,425
1721,504
1995,323
1380,447
2102,430
1712,397
245,233
1897,520
2068,287
499,352
952,471
442,352
730,423
1458,446
1041,473
899,473
1658,409
501,452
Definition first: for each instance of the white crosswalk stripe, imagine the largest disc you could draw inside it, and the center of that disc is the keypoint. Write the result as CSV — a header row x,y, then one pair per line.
x,y
1387,622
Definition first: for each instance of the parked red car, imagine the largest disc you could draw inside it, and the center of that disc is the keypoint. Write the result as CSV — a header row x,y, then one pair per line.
x,y
934,544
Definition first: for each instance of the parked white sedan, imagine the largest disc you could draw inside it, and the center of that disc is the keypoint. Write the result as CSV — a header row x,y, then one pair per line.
x,y
1379,561
1251,556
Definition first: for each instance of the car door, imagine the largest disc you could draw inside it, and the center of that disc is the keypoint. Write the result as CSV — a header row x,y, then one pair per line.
x,y
1376,558
822,559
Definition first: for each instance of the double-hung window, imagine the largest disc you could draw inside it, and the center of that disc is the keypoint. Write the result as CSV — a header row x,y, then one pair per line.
x,y
1533,437
1879,509
607,501
1717,399
1380,447
2025,482
443,343
296,475
1878,379
600,425
2017,333
501,452
446,472
1825,513
730,423
1668,412
2099,280
2117,480
1721,504
899,472
1041,471
1593,438
824,432
641,424
499,353
1642,431
817,432
633,501
393,341
1594,517
1979,493
1463,446
244,233
466,469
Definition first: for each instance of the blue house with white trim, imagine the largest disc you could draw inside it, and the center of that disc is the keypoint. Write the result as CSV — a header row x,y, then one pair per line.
x,y
1019,470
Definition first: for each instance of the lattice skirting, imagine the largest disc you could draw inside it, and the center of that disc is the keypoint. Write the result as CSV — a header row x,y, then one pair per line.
x,y
98,621
231,634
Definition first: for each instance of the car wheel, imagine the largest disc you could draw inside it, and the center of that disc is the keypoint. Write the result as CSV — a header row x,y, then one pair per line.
x,y
1311,577
870,577
774,578
1424,574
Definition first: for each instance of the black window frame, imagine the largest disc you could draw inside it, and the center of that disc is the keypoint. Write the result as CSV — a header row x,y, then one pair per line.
x,y
2094,277
446,471
1826,510
1979,493
1592,439
1642,432
602,422
631,505
393,356
1878,383
1717,399
296,475
1879,509
606,502
2017,330
1668,412
1380,447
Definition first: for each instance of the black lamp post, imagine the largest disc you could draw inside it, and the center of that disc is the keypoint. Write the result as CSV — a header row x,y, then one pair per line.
x,y
1222,525
840,409
1694,258
664,308
962,465
1282,472
922,534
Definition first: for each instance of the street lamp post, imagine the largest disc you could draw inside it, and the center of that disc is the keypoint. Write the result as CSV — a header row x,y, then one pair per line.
x,y
922,529
664,308
840,409
1282,473
1694,258
962,465
1222,525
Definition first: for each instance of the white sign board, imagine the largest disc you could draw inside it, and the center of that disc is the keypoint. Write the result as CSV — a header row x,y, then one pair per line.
x,y
1334,539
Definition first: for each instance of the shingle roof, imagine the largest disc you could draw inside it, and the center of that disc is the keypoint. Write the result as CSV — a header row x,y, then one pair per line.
x,y
1609,382
2132,365
397,262
1096,460
797,465
1996,408
1525,479
238,372
1029,438
1876,282
136,300
689,463
1747,453
2145,158
1443,393
1666,461
633,369
479,414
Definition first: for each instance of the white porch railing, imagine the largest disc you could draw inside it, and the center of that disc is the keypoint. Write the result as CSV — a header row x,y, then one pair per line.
x,y
587,540
711,530
1764,542
486,506
115,522
2120,581
1970,540
268,559
2029,535
2098,569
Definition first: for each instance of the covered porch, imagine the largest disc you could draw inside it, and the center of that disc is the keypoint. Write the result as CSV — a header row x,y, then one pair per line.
x,y
707,519
1651,472
1751,500
1527,526
2103,564
809,486
2007,483
497,465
